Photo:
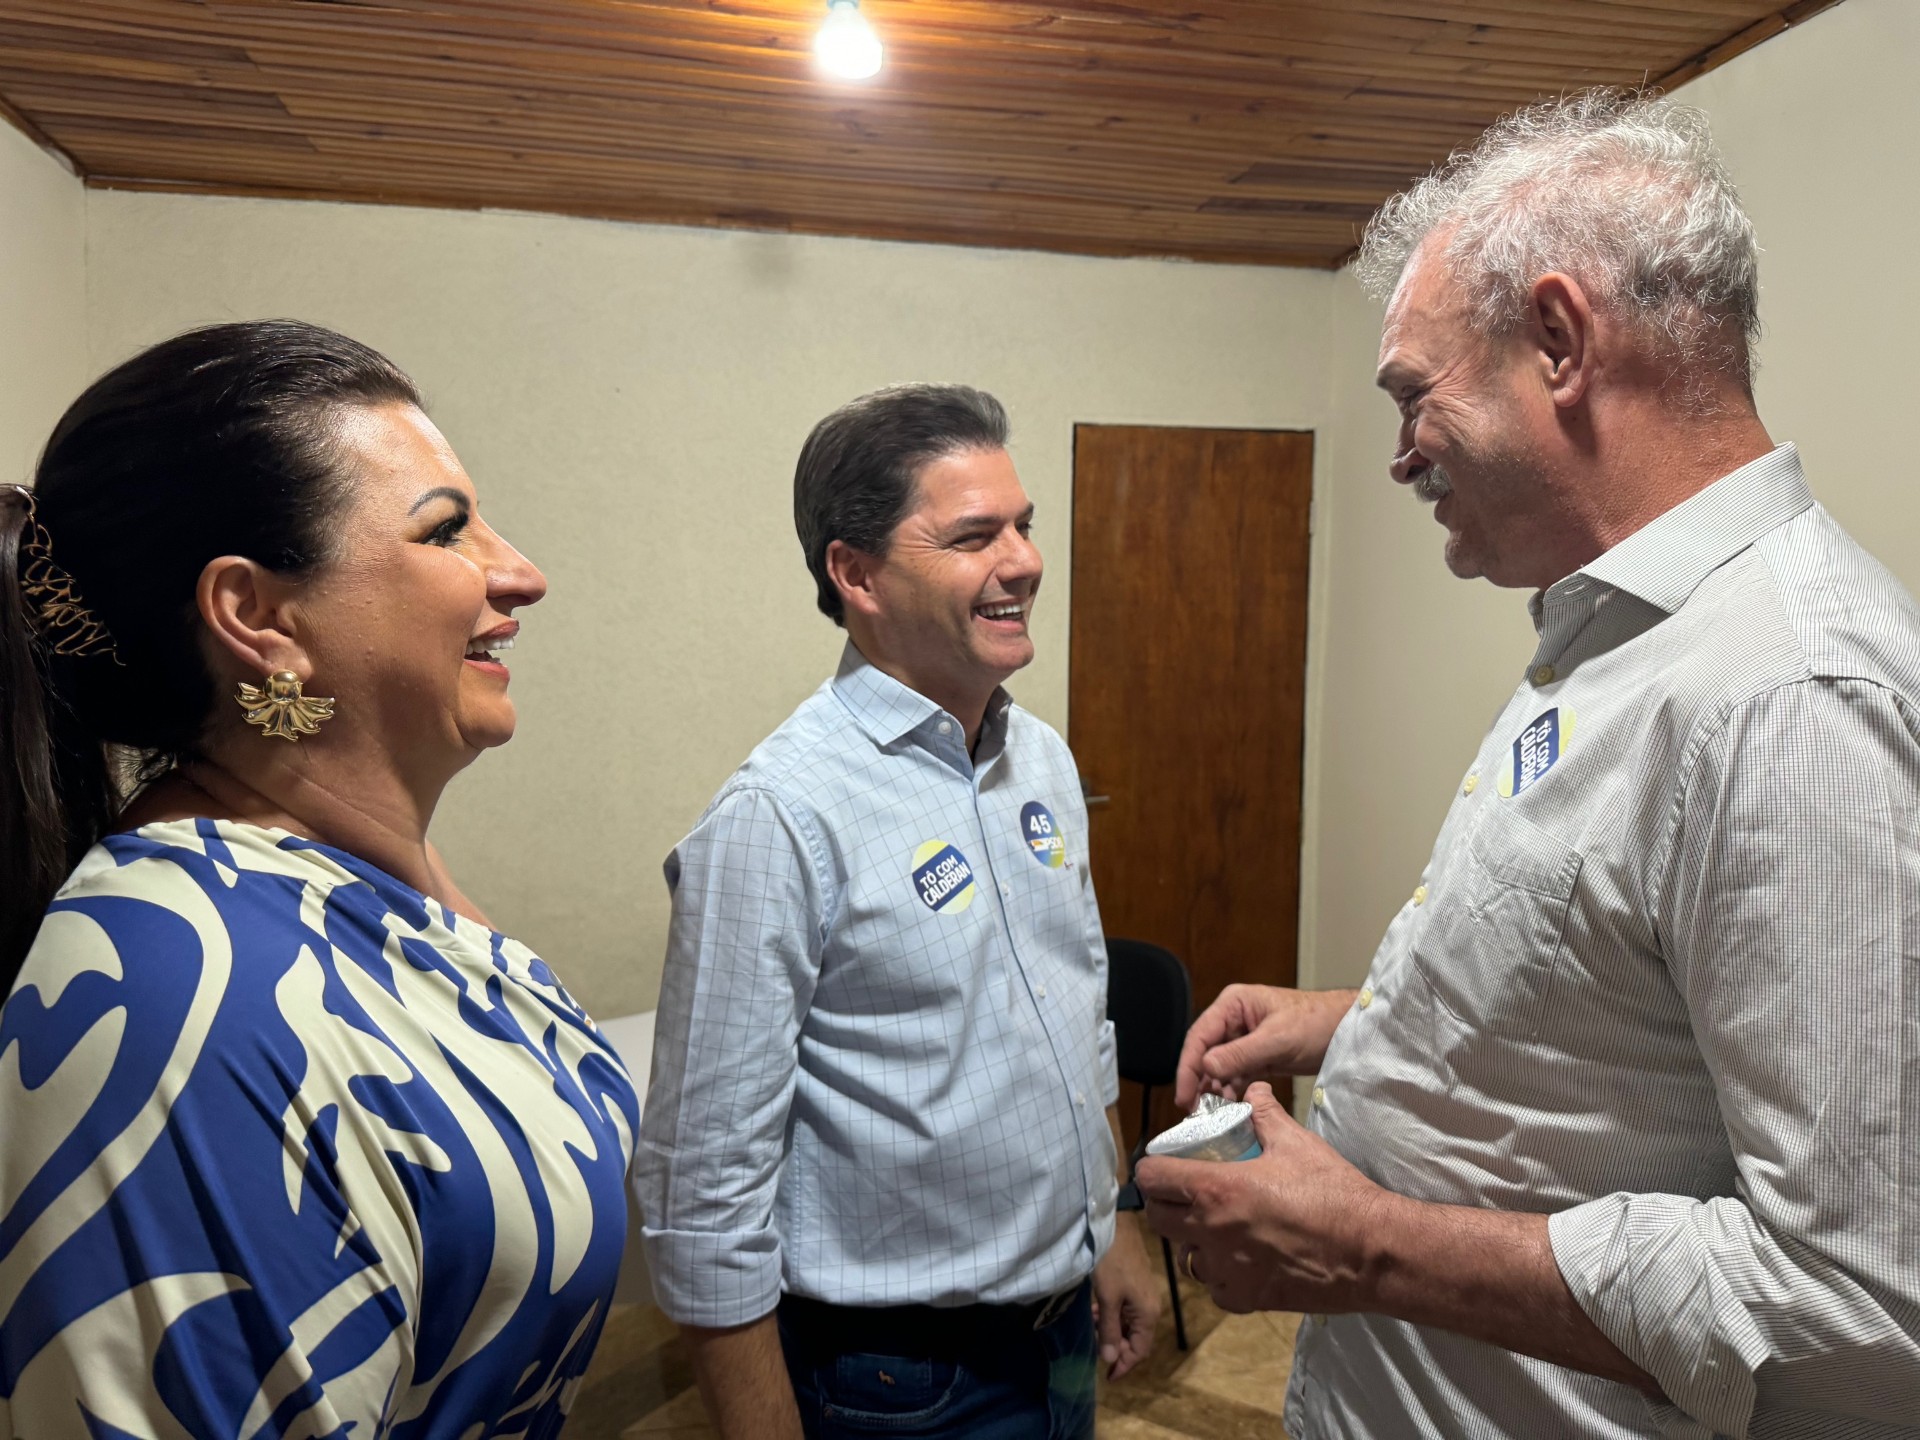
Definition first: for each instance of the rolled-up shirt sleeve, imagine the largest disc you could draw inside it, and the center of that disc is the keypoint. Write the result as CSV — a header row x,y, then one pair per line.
x,y
1789,905
743,957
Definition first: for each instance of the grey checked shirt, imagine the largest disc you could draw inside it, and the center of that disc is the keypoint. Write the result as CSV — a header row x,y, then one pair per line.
x,y
882,1058
1661,980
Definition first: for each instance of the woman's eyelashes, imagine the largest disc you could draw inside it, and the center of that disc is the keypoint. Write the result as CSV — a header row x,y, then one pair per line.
x,y
449,529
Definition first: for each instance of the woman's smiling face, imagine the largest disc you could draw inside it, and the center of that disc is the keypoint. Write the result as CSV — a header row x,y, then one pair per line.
x,y
407,623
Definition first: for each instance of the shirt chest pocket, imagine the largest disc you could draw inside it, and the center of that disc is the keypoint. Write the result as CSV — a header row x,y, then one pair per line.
x,y
1491,943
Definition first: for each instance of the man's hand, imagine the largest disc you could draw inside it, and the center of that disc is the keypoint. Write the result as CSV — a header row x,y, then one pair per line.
x,y
1299,1228
1283,1231
1126,1299
1255,1032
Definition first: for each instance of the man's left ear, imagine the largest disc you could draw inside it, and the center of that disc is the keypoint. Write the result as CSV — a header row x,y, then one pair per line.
x,y
1561,335
851,572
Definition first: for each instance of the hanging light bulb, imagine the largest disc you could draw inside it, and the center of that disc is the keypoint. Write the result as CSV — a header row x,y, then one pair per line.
x,y
846,45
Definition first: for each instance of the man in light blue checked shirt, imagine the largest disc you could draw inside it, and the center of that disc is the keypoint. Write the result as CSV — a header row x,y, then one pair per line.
x,y
1621,1136
878,1160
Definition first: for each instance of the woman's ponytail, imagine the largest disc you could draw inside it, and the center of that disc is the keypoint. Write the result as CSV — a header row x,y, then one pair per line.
x,y
56,798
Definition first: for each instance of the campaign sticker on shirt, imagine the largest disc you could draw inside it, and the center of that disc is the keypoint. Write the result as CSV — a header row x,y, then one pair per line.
x,y
1536,750
1042,834
942,878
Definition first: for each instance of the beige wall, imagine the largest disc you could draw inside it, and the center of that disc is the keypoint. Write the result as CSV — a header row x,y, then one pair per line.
x,y
1814,125
630,401
1818,129
43,296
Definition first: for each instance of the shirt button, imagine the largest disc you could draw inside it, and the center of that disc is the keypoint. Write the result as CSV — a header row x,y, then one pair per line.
x,y
1041,991
1473,783
1419,894
1080,1098
1319,1097
946,727
1006,892
1366,996
1543,674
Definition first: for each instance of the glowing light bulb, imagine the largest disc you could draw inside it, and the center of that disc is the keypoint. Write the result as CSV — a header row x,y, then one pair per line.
x,y
846,45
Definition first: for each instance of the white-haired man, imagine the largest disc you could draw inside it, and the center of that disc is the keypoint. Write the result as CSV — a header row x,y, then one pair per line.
x,y
1621,1137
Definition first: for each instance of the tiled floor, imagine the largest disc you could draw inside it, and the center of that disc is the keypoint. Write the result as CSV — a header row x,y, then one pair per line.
x,y
1229,1386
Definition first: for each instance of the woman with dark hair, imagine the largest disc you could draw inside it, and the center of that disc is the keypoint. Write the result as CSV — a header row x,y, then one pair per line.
x,y
291,1141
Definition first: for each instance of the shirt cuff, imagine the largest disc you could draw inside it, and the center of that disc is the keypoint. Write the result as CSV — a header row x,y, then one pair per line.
x,y
713,1279
1109,1066
1640,1268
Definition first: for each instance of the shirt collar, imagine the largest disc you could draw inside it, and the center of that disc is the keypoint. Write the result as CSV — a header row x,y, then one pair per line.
x,y
888,711
1665,560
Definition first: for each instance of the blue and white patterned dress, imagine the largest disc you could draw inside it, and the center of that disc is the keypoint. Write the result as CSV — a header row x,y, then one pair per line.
x,y
289,1150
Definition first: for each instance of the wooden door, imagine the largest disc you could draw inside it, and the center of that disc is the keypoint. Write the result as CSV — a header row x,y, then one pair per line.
x,y
1187,693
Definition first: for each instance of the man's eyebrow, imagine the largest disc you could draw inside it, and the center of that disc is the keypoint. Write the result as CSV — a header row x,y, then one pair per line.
x,y
985,521
442,492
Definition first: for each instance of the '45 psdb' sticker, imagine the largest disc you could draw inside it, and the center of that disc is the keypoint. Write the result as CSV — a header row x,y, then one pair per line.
x,y
1536,750
942,878
1042,834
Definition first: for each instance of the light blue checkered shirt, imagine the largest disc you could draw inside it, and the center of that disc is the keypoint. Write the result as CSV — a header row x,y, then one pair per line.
x,y
882,1056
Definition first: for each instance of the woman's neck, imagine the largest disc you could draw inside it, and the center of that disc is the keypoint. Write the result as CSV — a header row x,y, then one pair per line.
x,y
382,824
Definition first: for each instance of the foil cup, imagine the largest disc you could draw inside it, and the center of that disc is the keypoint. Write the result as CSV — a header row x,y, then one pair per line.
x,y
1222,1132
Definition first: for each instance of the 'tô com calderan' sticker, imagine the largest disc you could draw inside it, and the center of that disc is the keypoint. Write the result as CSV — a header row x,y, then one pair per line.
x,y
1536,750
942,878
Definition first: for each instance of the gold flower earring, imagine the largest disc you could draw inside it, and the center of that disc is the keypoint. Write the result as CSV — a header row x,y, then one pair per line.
x,y
281,709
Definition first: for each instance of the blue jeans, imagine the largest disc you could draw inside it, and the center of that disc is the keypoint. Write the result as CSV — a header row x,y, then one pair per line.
x,y
1038,1385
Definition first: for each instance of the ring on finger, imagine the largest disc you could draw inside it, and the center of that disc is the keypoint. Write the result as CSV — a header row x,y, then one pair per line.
x,y
1186,1263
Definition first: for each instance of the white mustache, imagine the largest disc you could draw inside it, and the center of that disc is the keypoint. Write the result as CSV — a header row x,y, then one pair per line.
x,y
1434,486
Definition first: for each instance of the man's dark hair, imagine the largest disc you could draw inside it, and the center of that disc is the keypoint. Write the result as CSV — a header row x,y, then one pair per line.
x,y
857,471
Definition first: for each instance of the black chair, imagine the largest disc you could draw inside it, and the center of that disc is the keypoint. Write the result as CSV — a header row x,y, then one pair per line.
x,y
1150,1001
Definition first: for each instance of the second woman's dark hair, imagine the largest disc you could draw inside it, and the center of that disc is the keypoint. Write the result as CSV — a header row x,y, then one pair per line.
x,y
221,441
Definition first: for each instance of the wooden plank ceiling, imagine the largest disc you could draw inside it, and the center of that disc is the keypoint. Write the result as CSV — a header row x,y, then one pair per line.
x,y
1258,131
